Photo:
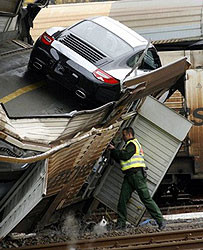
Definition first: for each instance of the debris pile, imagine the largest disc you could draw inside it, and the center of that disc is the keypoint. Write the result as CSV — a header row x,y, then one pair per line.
x,y
73,228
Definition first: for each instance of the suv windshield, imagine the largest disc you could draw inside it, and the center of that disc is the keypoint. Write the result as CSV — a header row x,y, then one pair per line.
x,y
101,38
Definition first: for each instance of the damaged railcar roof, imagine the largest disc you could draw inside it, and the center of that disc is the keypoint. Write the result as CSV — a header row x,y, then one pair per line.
x,y
159,79
42,132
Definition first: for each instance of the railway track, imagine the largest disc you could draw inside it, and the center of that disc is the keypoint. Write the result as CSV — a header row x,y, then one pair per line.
x,y
182,209
181,239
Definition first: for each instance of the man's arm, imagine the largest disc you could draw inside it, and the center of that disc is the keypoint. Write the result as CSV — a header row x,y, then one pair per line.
x,y
124,154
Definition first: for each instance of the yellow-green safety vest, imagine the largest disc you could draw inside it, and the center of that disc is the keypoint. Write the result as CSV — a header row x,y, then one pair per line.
x,y
137,160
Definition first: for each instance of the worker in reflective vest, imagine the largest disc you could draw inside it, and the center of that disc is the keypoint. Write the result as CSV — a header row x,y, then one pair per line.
x,y
137,160
131,158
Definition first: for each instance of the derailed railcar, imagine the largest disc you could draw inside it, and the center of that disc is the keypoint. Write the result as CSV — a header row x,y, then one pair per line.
x,y
60,152
58,163
57,154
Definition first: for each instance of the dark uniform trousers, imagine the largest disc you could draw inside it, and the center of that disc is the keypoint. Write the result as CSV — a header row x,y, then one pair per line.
x,y
134,180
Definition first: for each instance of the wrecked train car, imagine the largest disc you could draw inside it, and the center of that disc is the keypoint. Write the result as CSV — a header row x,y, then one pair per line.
x,y
54,156
171,26
46,162
55,159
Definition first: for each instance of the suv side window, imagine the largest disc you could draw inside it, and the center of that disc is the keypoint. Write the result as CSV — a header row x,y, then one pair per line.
x,y
150,61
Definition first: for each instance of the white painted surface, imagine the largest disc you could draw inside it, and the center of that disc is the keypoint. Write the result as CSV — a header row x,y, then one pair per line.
x,y
184,216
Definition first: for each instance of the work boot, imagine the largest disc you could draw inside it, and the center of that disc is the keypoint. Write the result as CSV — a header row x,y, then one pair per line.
x,y
162,225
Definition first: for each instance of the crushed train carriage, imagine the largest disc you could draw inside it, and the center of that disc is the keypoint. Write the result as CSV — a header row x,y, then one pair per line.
x,y
52,157
46,160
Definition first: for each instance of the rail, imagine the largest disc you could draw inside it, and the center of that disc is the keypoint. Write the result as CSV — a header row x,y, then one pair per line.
x,y
162,240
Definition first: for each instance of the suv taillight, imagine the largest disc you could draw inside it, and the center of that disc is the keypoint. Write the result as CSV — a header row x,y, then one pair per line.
x,y
104,77
46,39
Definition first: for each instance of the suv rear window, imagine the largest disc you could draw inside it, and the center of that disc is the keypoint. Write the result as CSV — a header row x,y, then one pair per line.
x,y
101,38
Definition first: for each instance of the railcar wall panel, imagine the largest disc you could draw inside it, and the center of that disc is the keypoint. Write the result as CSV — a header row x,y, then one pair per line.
x,y
194,100
158,20
86,160
158,79
64,162
21,200
160,140
194,97
195,57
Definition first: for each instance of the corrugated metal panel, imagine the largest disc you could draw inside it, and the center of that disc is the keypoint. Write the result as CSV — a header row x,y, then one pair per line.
x,y
72,165
155,19
5,124
46,130
195,57
153,126
194,97
62,163
66,15
22,198
157,113
163,20
158,79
